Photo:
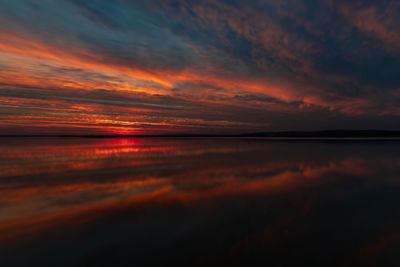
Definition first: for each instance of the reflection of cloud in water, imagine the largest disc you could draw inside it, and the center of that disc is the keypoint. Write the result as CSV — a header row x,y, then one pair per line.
x,y
270,195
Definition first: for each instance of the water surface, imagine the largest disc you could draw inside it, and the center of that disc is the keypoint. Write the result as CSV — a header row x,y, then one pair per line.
x,y
198,202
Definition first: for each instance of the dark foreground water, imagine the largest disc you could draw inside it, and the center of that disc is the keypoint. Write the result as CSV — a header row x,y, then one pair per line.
x,y
198,202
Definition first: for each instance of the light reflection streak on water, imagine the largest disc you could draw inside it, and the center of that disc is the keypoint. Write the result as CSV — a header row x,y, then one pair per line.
x,y
50,183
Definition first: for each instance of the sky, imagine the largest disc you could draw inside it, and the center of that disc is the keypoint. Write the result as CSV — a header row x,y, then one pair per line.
x,y
204,66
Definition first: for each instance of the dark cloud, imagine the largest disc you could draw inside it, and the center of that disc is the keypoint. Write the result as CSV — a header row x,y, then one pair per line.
x,y
257,65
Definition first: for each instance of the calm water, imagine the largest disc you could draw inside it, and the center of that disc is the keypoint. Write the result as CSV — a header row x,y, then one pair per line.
x,y
198,202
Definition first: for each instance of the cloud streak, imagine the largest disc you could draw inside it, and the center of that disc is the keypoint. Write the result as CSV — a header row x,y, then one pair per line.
x,y
198,67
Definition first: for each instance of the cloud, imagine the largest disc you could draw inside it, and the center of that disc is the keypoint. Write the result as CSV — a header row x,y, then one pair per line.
x,y
203,63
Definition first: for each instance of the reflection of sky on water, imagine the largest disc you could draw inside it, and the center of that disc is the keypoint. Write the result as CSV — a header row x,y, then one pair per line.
x,y
78,201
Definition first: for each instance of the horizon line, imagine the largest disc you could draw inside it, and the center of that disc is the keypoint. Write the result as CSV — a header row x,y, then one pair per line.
x,y
371,133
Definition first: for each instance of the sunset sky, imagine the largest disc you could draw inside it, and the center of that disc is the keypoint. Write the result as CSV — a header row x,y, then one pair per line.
x,y
166,67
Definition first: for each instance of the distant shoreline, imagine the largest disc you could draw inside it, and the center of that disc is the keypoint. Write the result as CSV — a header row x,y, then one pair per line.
x,y
283,135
